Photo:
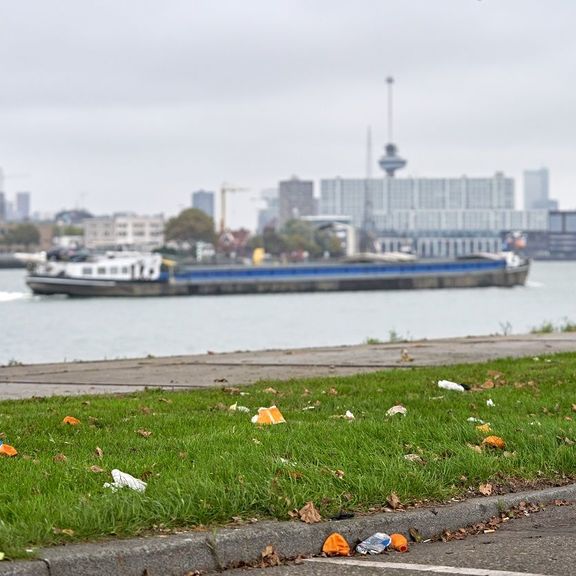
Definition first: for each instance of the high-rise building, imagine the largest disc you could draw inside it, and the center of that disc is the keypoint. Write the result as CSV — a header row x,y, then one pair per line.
x,y
124,230
2,197
295,199
22,206
420,203
536,189
203,200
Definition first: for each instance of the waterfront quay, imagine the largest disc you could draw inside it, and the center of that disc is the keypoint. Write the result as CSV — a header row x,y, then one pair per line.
x,y
244,368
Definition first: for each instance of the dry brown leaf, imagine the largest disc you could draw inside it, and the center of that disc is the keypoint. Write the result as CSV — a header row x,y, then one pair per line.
x,y
485,489
145,410
165,400
573,407
60,458
488,385
475,448
144,433
339,473
332,392
99,452
269,557
309,514
393,501
96,469
306,392
271,391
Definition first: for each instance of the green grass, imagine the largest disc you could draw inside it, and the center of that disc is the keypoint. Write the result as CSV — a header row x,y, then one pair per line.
x,y
549,327
205,465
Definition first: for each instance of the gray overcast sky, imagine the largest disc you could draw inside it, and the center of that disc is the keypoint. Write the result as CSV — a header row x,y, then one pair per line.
x,y
133,104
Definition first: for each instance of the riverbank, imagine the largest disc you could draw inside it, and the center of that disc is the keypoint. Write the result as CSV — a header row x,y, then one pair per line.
x,y
242,368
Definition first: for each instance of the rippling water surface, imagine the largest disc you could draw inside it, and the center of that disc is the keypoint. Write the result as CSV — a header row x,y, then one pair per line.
x,y
53,329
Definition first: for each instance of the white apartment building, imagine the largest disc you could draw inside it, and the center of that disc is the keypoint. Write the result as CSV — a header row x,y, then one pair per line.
x,y
124,231
442,204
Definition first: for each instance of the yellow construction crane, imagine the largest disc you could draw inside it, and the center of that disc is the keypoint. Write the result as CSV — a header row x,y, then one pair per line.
x,y
224,190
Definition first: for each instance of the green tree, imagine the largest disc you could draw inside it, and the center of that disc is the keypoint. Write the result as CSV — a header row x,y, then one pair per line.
x,y
25,234
190,226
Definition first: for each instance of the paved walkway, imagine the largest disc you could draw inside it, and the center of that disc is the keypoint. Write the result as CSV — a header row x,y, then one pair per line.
x,y
241,368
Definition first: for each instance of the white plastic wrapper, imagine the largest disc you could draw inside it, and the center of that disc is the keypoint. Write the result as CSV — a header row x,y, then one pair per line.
x,y
399,409
447,385
125,480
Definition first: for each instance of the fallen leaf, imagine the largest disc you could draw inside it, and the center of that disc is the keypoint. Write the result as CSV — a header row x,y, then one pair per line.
x,y
269,557
144,433
232,390
573,407
488,385
165,400
414,458
485,489
71,420
393,501
339,473
60,458
415,535
484,428
309,514
271,391
332,392
145,410
96,469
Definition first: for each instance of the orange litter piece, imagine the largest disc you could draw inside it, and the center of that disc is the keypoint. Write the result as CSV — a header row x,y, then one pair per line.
x,y
7,450
71,420
336,545
399,542
268,416
494,442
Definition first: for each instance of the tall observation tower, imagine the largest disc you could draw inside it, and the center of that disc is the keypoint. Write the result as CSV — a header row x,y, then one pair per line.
x,y
391,162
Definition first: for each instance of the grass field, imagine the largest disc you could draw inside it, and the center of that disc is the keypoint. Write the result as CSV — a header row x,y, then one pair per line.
x,y
206,465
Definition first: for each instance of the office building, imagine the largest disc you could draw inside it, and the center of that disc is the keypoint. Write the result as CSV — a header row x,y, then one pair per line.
x,y
203,200
295,199
22,210
124,231
536,189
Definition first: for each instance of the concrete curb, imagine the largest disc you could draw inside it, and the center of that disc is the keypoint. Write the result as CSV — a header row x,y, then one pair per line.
x,y
226,548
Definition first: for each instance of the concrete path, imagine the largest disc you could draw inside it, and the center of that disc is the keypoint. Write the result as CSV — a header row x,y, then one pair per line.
x,y
241,368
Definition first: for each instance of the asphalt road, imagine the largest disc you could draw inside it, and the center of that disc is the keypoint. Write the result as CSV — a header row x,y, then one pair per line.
x,y
541,544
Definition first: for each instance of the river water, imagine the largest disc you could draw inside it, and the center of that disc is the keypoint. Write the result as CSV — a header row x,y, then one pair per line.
x,y
54,329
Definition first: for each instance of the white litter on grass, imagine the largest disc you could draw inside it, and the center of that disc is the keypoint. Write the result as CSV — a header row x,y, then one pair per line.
x,y
447,385
235,408
398,409
349,415
490,403
125,480
475,420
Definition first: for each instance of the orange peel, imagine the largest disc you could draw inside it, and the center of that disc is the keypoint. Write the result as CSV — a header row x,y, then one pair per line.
x,y
336,545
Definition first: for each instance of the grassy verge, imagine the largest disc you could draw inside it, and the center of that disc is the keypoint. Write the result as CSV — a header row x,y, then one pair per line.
x,y
206,465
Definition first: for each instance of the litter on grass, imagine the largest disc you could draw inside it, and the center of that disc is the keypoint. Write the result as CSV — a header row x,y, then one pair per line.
x,y
494,442
447,385
7,450
235,408
475,420
71,420
336,545
490,403
125,480
268,416
398,409
376,544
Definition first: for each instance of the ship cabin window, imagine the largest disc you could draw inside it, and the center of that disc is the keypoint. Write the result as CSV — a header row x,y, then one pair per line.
x,y
101,270
114,270
87,270
125,270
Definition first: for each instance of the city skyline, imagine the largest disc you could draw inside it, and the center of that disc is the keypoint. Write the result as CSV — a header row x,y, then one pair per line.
x,y
182,98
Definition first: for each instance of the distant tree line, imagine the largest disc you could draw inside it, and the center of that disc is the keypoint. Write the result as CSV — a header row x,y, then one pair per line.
x,y
24,234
